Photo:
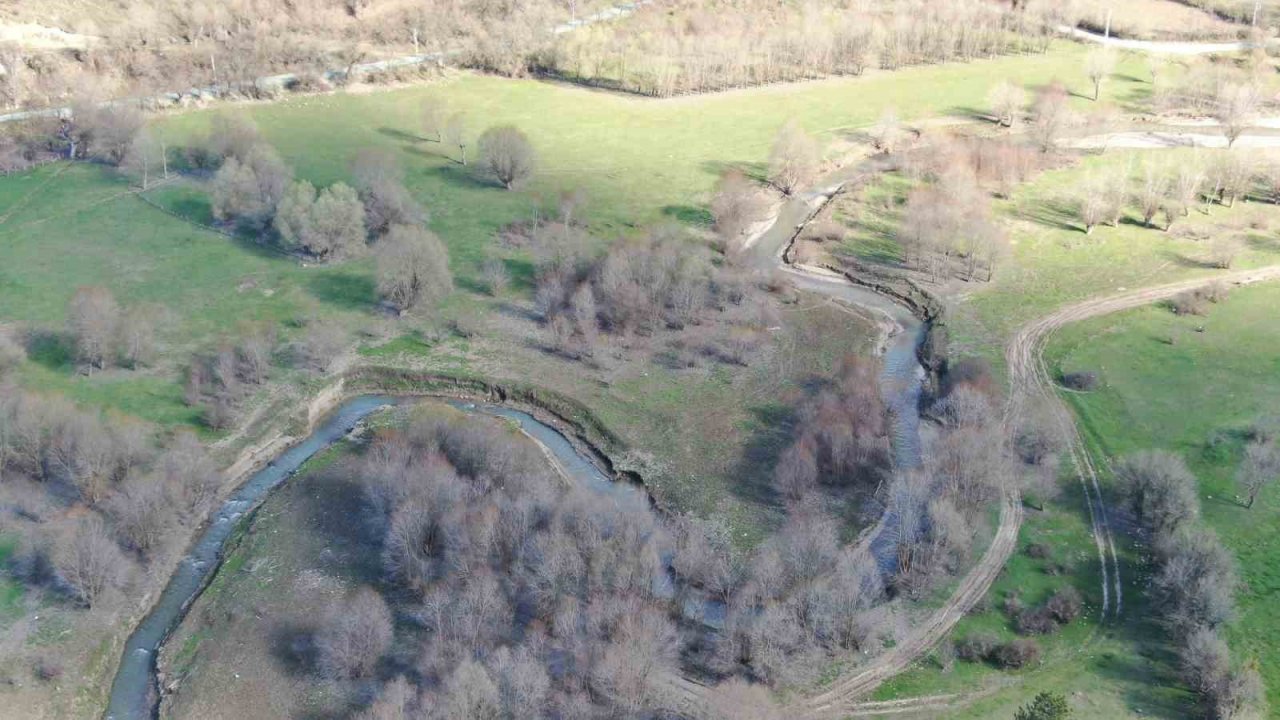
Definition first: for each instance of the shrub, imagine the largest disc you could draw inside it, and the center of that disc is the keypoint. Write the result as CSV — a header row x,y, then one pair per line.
x,y
976,647
1035,621
1038,551
1017,654
1190,302
1082,380
1065,605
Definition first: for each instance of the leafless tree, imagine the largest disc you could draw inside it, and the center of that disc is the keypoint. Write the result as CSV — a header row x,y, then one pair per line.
x,y
471,694
380,181
146,157
1194,585
137,335
248,191
508,155
395,702
1261,466
412,267
1008,100
887,134
1098,66
1234,108
435,117
736,205
1160,490
93,317
1152,191
455,135
89,561
354,635
1050,115
140,512
496,277
793,161
1092,204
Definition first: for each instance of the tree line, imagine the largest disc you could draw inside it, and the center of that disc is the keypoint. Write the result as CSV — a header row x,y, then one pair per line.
x,y
678,47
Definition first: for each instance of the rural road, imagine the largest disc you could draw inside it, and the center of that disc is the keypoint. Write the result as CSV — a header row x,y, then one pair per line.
x,y
1158,47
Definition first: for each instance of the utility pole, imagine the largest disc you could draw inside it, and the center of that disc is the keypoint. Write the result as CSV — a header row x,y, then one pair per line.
x,y
1257,5
1106,33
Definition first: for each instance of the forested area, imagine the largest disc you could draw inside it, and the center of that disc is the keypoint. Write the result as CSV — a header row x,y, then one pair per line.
x,y
677,47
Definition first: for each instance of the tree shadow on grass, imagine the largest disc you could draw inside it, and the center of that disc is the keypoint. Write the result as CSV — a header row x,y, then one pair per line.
x,y
467,176
293,647
1186,261
402,136
758,171
344,289
773,425
1058,214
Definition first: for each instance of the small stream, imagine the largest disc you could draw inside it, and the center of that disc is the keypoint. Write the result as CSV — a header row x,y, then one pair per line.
x,y
134,693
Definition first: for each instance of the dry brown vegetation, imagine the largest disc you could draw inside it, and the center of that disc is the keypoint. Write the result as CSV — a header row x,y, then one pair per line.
x,y
678,46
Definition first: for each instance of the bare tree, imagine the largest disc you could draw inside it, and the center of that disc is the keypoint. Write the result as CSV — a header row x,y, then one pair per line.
x,y
140,512
1153,189
736,205
1098,66
471,694
380,181
435,117
93,317
793,161
412,267
1008,100
508,155
887,133
1261,466
455,135
496,277
137,335
1160,490
89,561
354,635
147,157
1234,108
394,702
1050,115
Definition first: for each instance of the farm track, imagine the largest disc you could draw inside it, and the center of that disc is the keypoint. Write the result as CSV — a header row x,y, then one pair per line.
x,y
1030,381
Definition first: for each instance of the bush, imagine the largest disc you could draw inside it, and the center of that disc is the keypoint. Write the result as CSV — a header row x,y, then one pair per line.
x,y
1082,380
1038,551
1190,302
1035,621
1017,654
1065,605
976,647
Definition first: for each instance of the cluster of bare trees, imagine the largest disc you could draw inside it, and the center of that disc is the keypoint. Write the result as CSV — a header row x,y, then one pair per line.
x,y
53,454
1169,191
948,228
103,333
219,379
680,47
540,599
841,437
639,288
162,45
1195,579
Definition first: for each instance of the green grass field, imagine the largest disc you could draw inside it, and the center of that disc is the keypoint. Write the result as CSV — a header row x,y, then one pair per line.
x,y
1194,398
